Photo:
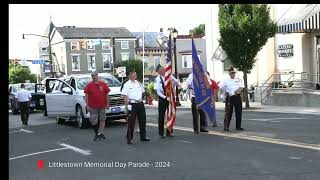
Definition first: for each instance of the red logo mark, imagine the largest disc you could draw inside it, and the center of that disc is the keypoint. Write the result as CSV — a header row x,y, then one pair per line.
x,y
40,164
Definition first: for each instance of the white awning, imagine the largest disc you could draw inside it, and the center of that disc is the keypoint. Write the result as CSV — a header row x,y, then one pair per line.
x,y
305,20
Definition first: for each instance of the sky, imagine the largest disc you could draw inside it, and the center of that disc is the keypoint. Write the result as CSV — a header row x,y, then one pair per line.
x,y
34,18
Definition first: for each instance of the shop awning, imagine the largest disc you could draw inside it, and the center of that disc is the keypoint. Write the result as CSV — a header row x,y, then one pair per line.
x,y
305,20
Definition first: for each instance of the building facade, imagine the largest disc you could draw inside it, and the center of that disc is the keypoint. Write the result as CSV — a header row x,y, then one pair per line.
x,y
77,50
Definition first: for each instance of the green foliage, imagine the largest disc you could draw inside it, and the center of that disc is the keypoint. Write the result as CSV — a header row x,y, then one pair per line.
x,y
132,64
150,90
244,30
19,74
199,31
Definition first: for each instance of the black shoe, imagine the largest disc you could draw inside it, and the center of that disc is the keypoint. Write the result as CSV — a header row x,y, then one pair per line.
x,y
129,141
196,131
226,129
162,136
204,130
170,135
145,139
239,129
215,125
96,137
102,136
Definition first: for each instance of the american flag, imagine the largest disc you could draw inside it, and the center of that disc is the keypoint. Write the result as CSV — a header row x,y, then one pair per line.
x,y
171,111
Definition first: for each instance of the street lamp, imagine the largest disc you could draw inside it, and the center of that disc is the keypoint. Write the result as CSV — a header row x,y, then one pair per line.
x,y
50,54
174,33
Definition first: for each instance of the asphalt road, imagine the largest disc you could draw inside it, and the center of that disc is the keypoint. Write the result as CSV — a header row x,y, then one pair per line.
x,y
273,146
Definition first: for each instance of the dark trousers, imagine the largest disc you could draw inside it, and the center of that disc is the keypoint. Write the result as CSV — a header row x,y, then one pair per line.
x,y
233,101
139,110
195,115
162,108
24,111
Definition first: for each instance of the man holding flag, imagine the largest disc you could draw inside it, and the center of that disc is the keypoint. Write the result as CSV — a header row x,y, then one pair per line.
x,y
168,101
203,98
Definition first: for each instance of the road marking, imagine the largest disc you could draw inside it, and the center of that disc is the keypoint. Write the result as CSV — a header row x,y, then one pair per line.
x,y
22,130
27,131
252,138
188,142
81,151
59,149
271,119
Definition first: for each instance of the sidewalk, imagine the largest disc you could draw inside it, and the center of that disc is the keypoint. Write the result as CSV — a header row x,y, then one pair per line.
x,y
254,107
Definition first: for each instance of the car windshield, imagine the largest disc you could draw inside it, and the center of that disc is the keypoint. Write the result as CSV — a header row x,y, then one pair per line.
x,y
110,80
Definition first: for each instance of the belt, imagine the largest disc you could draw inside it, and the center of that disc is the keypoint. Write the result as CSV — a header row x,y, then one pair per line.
x,y
132,101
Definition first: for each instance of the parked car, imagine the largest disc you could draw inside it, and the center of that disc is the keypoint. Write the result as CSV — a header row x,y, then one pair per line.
x,y
36,91
64,99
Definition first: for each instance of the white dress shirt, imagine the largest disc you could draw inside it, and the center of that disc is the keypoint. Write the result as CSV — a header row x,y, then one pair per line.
x,y
158,85
231,85
133,89
23,95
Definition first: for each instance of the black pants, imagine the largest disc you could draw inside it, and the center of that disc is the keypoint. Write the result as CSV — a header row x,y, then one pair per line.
x,y
162,108
24,111
139,110
233,101
195,115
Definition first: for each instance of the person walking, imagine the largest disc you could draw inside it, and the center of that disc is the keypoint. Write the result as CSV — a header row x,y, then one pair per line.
x,y
133,90
163,102
23,99
232,87
97,101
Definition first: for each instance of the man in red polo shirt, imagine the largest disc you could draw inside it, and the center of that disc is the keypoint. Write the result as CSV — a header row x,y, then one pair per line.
x,y
97,101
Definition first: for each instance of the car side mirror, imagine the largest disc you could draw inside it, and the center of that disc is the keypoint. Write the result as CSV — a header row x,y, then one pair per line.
x,y
67,90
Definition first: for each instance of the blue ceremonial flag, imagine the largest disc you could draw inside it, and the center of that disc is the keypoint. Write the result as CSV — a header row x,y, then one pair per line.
x,y
202,87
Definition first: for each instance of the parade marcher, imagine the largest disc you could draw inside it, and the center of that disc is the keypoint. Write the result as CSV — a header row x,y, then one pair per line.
x,y
214,86
97,101
136,124
133,90
195,111
233,87
23,99
163,102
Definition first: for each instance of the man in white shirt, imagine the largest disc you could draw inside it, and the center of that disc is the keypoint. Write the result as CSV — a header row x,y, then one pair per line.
x,y
132,90
195,111
23,99
233,87
163,102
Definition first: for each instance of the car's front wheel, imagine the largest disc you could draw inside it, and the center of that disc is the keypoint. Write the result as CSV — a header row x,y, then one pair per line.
x,y
81,121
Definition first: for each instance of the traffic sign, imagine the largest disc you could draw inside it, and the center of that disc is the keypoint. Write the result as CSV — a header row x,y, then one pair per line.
x,y
121,71
37,61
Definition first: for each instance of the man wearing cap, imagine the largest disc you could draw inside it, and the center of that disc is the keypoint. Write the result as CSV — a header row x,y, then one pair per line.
x,y
233,87
97,101
23,99
163,102
133,90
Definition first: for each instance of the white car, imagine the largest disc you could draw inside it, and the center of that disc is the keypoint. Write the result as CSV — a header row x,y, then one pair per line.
x,y
64,98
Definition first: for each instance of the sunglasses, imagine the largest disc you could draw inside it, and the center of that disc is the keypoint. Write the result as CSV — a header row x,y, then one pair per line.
x,y
232,72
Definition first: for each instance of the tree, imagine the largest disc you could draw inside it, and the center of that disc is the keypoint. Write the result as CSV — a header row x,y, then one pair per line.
x,y
19,74
244,30
199,31
132,64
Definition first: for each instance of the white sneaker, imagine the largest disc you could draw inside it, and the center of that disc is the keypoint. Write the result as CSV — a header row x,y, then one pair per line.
x,y
137,130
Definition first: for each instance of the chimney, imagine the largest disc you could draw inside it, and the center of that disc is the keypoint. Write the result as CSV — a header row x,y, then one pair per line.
x,y
161,29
